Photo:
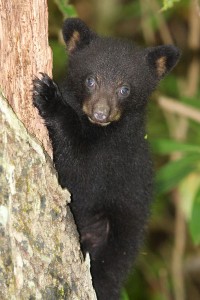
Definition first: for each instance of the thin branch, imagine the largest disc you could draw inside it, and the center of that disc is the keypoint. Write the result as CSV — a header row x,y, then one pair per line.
x,y
173,106
198,7
163,28
194,45
194,27
178,250
147,29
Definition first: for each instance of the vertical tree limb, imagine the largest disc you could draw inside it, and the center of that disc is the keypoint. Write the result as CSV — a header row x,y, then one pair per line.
x,y
24,52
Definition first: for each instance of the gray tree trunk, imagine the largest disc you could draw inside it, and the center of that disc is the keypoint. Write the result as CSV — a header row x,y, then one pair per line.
x,y
40,255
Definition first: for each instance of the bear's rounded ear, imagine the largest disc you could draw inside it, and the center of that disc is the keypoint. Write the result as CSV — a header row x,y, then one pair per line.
x,y
162,59
76,34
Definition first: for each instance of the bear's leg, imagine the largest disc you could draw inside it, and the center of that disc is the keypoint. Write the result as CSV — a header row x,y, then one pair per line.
x,y
112,245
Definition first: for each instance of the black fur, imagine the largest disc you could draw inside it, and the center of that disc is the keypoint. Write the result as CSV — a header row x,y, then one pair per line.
x,y
106,168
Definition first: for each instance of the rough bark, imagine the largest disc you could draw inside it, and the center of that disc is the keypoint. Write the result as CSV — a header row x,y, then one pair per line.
x,y
40,255
24,52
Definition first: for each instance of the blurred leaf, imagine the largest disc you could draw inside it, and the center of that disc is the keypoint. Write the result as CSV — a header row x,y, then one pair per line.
x,y
168,4
59,59
164,146
67,9
174,172
188,190
159,296
124,295
70,11
193,101
194,224
129,10
169,86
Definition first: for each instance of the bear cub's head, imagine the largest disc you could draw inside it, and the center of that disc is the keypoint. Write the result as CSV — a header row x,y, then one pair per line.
x,y
108,76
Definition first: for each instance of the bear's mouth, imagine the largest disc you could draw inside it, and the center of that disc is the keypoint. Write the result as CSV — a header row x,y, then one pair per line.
x,y
98,123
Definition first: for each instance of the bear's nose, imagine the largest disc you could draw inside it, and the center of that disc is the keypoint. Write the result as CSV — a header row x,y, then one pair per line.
x,y
101,114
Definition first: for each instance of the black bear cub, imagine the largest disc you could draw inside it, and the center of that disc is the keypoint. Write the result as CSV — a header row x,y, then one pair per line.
x,y
96,123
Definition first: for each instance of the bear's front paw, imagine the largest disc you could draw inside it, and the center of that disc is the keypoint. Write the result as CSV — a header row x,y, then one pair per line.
x,y
46,94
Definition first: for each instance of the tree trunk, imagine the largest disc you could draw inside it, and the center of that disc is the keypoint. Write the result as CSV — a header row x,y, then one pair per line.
x,y
24,52
40,254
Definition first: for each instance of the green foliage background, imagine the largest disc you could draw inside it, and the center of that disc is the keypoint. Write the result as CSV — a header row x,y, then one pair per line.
x,y
174,135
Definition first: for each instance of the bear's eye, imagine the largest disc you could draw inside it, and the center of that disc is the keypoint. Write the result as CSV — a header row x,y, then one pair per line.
x,y
124,91
90,82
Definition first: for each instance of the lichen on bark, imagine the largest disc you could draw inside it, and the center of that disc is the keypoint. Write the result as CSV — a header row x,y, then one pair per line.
x,y
40,255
